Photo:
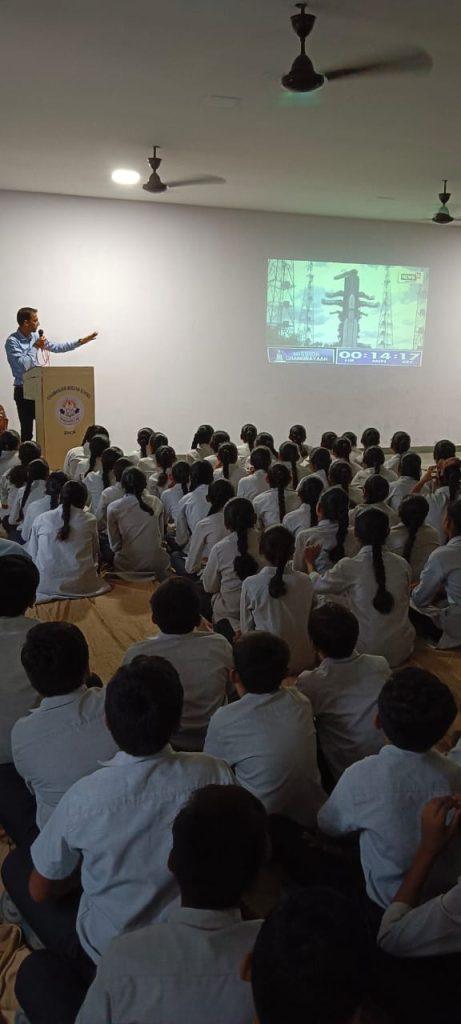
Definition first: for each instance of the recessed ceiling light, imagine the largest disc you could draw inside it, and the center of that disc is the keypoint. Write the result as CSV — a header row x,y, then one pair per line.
x,y
122,176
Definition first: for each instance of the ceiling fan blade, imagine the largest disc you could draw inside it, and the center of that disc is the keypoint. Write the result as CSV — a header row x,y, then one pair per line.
x,y
209,179
411,61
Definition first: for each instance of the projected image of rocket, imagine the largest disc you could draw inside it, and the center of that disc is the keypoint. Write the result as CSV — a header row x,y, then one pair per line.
x,y
351,303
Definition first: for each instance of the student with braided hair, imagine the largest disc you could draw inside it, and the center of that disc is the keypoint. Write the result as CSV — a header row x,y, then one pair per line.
x,y
373,462
272,506
77,455
143,438
218,438
53,488
165,457
248,435
298,434
148,463
279,599
375,495
256,482
442,574
342,449
413,539
409,473
340,475
267,441
230,561
328,439
97,445
370,437
331,535
400,445
97,480
441,485
376,584
135,527
289,456
305,516
207,532
113,491
65,548
193,506
38,472
319,464
16,477
201,448
228,465
177,488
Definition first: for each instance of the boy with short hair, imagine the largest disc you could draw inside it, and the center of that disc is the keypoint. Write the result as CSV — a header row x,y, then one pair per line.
x,y
344,689
203,659
268,736
186,969
382,796
66,737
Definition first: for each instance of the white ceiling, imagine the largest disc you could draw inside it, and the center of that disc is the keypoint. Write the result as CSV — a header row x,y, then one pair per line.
x,y
89,85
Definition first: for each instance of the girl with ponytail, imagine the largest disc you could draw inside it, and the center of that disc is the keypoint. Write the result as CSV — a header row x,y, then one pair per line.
x,y
331,534
210,530
97,480
9,455
373,462
165,457
278,599
38,472
319,464
228,465
97,445
201,448
413,539
76,455
298,435
400,444
135,527
441,485
440,618
53,488
409,473
113,491
305,516
143,438
218,438
266,441
340,475
375,494
65,548
16,477
178,486
148,463
272,506
342,449
248,435
230,561
256,482
375,583
289,456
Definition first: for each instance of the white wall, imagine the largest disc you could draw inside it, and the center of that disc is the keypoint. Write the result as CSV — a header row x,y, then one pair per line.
x,y
178,295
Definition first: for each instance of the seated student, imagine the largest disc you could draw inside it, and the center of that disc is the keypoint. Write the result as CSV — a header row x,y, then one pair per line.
x,y
135,528
201,448
268,736
158,481
177,487
112,491
273,505
65,548
97,445
376,584
229,465
193,506
266,440
50,500
302,518
373,462
444,450
400,445
344,689
248,435
319,464
115,824
66,737
375,494
97,480
279,599
311,961
210,530
438,594
356,453
38,472
187,969
19,580
342,449
331,534
290,456
230,561
142,439
444,481
9,451
76,455
202,659
413,539
382,796
328,439
340,474
16,477
256,482
218,438
409,471
298,434
370,438
148,464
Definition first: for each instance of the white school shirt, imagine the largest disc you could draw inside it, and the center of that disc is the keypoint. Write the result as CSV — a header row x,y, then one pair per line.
x,y
34,509
73,457
67,568
320,475
189,964
393,462
426,541
344,694
392,635
136,537
382,798
363,474
392,516
325,534
399,490
148,465
192,508
220,579
438,504
266,506
16,693
59,742
298,520
199,454
253,484
203,661
269,740
95,486
108,495
286,616
236,474
205,535
170,499
442,570
118,820
432,929
37,491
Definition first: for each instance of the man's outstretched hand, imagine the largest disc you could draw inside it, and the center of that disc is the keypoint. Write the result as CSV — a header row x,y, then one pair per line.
x,y
89,337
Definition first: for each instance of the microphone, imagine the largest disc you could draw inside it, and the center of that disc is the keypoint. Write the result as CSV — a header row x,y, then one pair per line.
x,y
40,333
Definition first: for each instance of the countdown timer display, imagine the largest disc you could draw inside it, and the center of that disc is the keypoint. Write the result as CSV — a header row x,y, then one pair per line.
x,y
370,357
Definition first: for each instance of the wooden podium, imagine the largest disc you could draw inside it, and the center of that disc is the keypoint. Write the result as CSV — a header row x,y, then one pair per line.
x,y
64,407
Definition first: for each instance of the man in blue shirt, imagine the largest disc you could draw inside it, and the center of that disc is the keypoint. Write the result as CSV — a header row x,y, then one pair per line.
x,y
22,348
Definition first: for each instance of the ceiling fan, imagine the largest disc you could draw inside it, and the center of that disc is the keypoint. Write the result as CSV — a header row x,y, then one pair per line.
x,y
155,185
302,76
443,215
